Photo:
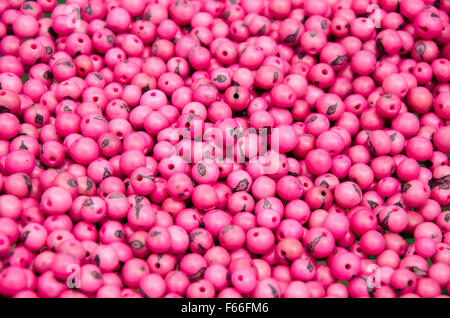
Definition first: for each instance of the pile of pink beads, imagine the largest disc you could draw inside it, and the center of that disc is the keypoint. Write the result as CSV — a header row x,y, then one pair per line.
x,y
224,148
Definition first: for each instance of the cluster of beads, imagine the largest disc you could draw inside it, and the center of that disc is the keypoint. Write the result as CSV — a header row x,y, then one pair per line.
x,y
224,148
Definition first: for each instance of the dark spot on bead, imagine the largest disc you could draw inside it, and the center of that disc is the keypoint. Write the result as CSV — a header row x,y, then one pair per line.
x,y
418,271
380,46
137,245
262,30
148,15
242,185
393,136
339,60
201,169
420,48
110,39
447,217
88,202
385,221
324,24
39,119
372,204
193,235
273,291
324,183
48,75
311,246
155,233
105,143
118,233
96,275
96,260
72,183
405,188
115,196
332,109
227,228
27,6
88,10
145,89
22,146
226,14
89,184
99,76
370,146
138,209
310,267
356,189
27,181
290,173
125,106
220,78
66,63
267,204
106,173
25,236
399,204
313,118
198,274
292,37
48,51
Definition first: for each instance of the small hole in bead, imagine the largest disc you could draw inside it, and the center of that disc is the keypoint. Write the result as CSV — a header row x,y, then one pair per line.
x,y
274,220
224,53
171,166
240,277
34,46
139,178
410,282
80,40
323,193
255,234
324,71
157,265
202,289
59,237
348,266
